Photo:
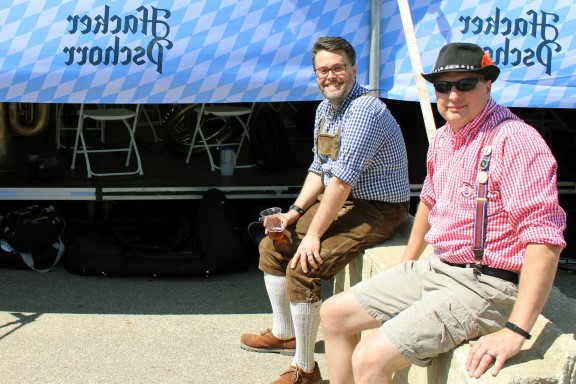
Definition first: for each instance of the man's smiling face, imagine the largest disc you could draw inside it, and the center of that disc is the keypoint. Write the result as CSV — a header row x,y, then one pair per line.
x,y
335,87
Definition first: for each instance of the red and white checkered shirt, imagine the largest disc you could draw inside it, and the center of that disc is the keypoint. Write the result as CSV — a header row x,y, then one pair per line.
x,y
522,194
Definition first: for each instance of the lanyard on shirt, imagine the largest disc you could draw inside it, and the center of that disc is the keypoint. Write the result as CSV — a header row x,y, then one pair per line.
x,y
478,242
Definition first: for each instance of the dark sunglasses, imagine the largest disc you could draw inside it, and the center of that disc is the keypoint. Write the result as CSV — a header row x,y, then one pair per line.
x,y
463,85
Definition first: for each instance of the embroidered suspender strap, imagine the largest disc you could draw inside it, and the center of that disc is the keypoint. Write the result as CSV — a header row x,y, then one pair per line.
x,y
320,146
329,144
315,148
478,242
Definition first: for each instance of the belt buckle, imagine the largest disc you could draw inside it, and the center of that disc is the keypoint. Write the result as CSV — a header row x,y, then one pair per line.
x,y
476,267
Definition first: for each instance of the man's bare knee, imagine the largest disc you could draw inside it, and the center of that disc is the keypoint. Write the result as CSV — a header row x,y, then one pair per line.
x,y
329,314
367,361
375,359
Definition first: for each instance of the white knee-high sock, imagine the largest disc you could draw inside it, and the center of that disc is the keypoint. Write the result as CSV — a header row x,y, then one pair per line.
x,y
306,318
281,318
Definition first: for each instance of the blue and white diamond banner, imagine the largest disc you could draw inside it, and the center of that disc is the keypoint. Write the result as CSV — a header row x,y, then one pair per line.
x,y
143,51
176,51
532,41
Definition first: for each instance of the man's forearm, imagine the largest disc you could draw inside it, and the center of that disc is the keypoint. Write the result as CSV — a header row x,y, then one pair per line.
x,y
334,197
537,277
310,190
308,195
416,243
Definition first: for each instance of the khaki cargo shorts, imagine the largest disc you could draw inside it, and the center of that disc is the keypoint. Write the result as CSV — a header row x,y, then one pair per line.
x,y
428,307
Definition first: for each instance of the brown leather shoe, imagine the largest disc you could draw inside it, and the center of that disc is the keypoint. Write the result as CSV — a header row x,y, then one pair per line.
x,y
295,375
267,342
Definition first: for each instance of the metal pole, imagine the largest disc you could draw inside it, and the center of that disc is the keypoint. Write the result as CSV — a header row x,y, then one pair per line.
x,y
414,54
374,70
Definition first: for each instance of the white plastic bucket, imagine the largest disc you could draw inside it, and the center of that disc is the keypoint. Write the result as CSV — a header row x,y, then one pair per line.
x,y
227,161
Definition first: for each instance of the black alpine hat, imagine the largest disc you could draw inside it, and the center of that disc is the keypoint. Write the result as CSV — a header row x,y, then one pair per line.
x,y
463,57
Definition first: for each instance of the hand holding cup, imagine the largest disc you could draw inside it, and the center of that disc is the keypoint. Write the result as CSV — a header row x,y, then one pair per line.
x,y
272,222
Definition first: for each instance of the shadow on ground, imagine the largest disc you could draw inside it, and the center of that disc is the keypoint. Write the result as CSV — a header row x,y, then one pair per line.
x,y
58,291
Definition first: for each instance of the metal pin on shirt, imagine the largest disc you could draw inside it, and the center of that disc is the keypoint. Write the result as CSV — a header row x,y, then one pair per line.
x,y
482,177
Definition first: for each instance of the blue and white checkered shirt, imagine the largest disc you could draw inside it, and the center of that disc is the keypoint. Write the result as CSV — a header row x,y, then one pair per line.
x,y
372,154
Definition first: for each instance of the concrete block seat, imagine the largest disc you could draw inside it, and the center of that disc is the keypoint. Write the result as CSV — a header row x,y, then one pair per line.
x,y
376,259
549,357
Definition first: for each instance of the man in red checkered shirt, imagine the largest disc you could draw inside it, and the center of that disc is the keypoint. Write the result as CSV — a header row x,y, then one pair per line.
x,y
489,207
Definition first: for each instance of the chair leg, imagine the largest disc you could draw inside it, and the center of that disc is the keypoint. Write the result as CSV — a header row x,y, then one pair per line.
x,y
213,166
129,152
87,159
191,146
139,107
83,148
76,140
151,123
244,133
196,129
132,133
58,122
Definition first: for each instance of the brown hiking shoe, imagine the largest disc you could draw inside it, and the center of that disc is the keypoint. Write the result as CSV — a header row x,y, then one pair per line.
x,y
267,342
295,375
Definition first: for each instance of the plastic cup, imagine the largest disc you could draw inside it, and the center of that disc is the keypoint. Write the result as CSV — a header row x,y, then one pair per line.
x,y
227,161
273,224
269,212
274,228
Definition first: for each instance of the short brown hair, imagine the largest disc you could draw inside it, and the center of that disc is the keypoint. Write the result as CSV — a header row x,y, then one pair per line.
x,y
331,44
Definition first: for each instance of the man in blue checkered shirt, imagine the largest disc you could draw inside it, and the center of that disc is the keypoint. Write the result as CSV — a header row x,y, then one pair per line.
x,y
356,195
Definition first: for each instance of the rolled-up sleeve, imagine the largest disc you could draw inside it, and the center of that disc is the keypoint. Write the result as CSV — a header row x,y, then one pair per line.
x,y
527,173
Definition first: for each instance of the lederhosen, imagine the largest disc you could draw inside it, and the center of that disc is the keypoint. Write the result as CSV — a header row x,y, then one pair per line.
x,y
359,225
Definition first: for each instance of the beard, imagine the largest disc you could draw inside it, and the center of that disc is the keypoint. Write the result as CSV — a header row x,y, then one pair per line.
x,y
335,92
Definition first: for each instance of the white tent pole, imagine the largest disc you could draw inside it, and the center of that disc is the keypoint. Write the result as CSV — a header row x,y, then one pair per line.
x,y
417,67
374,70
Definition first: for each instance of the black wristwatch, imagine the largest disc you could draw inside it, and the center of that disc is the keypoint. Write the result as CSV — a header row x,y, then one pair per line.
x,y
297,209
514,328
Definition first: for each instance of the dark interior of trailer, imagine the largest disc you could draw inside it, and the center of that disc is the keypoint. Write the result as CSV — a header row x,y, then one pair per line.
x,y
170,186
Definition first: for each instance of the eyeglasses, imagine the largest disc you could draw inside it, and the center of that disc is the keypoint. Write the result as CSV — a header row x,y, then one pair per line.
x,y
323,72
463,85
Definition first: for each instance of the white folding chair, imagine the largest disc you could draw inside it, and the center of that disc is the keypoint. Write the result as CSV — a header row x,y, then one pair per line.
x,y
103,115
223,111
61,127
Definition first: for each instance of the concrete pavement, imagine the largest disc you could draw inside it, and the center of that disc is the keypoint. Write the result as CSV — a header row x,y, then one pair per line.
x,y
60,328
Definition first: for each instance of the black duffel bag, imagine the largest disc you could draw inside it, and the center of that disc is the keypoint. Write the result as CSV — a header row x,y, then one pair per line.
x,y
160,247
30,237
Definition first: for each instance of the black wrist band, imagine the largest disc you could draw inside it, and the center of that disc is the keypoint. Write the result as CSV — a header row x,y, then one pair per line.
x,y
518,330
297,209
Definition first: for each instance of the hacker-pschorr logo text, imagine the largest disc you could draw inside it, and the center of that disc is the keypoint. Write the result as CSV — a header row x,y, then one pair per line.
x,y
145,22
